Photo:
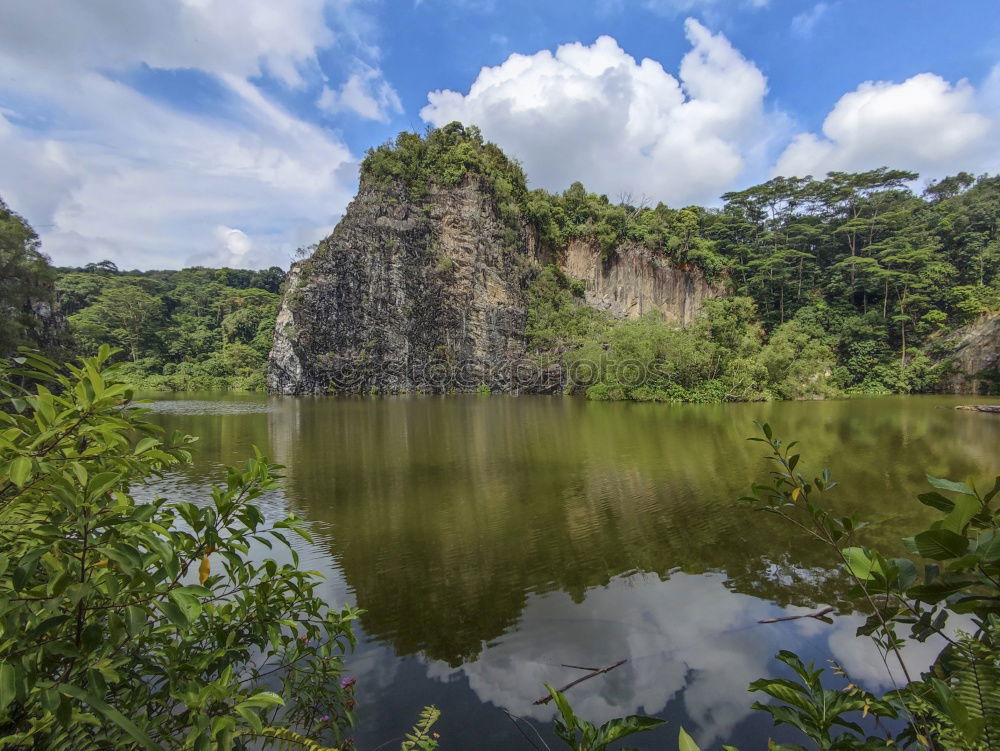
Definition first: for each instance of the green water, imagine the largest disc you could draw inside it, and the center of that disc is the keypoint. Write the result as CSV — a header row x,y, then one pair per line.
x,y
492,539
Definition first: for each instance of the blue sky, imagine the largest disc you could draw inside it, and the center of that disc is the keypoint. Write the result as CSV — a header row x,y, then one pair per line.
x,y
162,134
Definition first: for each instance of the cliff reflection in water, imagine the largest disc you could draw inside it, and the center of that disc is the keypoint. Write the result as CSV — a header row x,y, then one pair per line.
x,y
491,540
445,514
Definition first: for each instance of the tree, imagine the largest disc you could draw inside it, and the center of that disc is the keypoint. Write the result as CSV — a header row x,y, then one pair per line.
x,y
26,293
122,314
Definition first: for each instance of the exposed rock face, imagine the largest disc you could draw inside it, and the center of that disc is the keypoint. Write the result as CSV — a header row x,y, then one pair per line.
x,y
407,295
976,357
636,281
430,295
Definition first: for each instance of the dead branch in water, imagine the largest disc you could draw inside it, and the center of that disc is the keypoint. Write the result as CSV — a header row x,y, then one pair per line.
x,y
568,686
818,614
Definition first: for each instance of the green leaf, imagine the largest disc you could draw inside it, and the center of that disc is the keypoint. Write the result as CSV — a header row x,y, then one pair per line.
x,y
685,742
102,483
8,684
19,471
173,613
248,714
564,708
262,700
936,500
861,564
620,727
940,544
950,485
187,602
145,445
966,507
99,705
988,546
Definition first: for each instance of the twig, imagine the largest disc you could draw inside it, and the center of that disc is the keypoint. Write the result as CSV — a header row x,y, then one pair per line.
x,y
515,719
818,614
568,686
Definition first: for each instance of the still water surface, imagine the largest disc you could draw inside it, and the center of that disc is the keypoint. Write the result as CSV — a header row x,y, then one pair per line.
x,y
492,540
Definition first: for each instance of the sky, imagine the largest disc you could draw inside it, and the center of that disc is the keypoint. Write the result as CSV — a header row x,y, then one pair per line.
x,y
171,133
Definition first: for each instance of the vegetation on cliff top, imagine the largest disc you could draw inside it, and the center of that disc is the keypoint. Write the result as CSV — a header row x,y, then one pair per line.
x,y
856,271
850,282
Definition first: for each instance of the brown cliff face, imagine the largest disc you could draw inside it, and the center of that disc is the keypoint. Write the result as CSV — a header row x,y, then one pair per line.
x,y
635,281
976,357
429,295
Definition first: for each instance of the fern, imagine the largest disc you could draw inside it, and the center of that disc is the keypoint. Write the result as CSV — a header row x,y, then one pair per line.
x,y
976,688
291,739
421,738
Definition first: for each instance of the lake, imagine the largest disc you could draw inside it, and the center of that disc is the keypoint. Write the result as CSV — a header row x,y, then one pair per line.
x,y
494,540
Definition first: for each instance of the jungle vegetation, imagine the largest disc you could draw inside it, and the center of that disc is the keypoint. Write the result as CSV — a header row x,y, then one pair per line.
x,y
198,329
846,284
843,284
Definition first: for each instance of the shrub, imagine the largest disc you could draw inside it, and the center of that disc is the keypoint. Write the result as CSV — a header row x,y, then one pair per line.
x,y
127,623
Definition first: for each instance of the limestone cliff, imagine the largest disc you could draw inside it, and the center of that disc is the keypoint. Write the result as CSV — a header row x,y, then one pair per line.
x,y
429,294
635,281
976,358
407,294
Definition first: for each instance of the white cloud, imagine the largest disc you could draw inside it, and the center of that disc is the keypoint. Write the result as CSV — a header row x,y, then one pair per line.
x,y
104,171
366,93
804,23
705,658
925,123
595,114
216,36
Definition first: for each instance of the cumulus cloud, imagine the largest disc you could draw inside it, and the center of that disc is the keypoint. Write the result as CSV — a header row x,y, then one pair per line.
x,y
242,38
365,93
924,123
104,170
596,114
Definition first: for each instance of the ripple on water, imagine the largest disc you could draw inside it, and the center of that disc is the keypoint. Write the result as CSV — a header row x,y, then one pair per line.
x,y
207,407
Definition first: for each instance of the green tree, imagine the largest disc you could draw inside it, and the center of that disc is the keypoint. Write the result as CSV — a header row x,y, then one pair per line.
x,y
123,314
26,293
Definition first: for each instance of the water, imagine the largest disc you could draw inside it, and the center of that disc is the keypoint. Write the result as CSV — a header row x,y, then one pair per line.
x,y
493,540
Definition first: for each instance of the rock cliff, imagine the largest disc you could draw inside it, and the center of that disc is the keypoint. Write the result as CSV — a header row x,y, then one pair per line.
x,y
429,294
407,294
635,281
976,358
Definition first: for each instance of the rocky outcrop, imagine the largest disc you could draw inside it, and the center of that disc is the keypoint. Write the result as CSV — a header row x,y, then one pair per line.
x,y
407,295
635,281
976,358
430,295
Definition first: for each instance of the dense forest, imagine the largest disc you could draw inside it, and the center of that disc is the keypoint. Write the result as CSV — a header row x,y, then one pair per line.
x,y
192,330
846,284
